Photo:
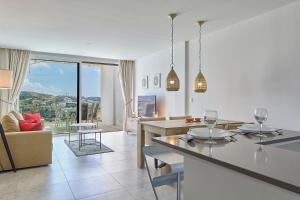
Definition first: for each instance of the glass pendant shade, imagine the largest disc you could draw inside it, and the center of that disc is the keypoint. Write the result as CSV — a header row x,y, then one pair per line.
x,y
200,84
172,81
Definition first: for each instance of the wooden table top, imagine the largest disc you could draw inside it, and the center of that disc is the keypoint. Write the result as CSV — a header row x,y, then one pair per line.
x,y
168,124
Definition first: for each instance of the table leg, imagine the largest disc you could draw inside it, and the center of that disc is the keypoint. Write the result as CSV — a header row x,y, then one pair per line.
x,y
140,146
79,141
100,141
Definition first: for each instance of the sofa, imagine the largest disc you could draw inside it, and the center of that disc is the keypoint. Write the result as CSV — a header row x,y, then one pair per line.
x,y
28,149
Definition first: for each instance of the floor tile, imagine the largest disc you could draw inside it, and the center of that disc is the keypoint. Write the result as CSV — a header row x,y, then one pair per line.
x,y
60,191
93,186
38,177
115,195
109,176
131,177
84,172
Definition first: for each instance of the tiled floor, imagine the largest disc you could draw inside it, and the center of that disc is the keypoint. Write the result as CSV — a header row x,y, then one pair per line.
x,y
110,176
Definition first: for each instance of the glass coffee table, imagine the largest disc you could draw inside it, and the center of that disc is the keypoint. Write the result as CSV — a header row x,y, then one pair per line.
x,y
83,129
82,133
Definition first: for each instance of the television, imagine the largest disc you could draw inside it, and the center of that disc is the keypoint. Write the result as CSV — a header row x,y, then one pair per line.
x,y
146,106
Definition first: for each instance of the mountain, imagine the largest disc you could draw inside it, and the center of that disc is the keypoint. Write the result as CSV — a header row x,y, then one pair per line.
x,y
26,95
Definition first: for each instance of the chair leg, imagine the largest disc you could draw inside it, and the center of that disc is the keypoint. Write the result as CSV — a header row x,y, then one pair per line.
x,y
148,171
178,186
155,163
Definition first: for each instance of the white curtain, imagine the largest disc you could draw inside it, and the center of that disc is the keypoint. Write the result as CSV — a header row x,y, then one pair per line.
x,y
127,80
17,61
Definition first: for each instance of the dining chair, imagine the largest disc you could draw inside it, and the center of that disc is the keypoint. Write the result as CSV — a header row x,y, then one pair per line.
x,y
174,160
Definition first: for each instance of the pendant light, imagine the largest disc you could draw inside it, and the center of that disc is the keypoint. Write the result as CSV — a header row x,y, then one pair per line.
x,y
200,84
172,81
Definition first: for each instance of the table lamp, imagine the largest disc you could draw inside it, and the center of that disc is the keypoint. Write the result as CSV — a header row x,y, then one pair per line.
x,y
6,83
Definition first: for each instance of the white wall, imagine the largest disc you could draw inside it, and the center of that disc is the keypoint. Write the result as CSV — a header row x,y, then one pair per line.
x,y
168,103
252,64
255,63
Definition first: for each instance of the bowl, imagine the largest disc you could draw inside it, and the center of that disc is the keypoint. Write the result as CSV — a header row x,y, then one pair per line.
x,y
197,119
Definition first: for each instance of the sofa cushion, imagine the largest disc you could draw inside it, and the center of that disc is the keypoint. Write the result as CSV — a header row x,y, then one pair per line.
x,y
30,126
36,117
18,115
10,123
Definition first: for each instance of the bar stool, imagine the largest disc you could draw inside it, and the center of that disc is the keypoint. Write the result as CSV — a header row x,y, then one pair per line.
x,y
174,160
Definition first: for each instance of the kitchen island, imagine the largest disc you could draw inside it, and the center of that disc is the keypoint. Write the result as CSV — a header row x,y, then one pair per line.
x,y
241,170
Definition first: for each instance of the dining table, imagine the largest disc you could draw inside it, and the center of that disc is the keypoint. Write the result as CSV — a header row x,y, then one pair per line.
x,y
168,128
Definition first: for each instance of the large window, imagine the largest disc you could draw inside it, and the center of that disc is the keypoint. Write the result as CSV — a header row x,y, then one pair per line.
x,y
50,88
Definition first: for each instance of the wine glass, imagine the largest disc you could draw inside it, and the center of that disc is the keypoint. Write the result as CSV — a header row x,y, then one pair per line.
x,y
260,115
210,119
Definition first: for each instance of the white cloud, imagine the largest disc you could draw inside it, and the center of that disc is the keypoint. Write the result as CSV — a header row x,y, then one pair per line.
x,y
61,72
40,88
40,65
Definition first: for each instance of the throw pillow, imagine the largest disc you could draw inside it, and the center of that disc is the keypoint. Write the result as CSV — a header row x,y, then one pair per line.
x,y
18,115
36,117
30,126
10,123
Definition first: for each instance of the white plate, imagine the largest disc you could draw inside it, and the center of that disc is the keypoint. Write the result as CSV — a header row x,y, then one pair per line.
x,y
203,133
255,128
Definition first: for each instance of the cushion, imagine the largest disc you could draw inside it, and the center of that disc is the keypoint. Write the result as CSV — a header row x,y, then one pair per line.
x,y
30,126
10,123
18,115
36,117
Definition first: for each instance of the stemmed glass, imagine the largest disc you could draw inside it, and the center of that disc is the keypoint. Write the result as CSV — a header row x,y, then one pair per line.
x,y
261,115
210,118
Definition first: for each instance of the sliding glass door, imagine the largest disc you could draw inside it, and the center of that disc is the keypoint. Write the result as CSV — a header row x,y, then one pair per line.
x,y
90,81
51,89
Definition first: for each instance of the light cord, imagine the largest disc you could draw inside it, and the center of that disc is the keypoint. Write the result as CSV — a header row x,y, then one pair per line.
x,y
199,56
172,41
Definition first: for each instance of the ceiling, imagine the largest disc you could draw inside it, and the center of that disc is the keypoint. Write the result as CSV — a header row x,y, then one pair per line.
x,y
120,29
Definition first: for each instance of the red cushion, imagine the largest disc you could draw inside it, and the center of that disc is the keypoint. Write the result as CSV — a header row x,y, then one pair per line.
x,y
30,126
36,117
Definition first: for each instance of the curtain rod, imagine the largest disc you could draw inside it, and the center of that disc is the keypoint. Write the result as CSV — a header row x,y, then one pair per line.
x,y
85,62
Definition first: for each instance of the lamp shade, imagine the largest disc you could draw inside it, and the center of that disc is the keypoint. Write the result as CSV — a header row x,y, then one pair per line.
x,y
5,79
200,84
172,81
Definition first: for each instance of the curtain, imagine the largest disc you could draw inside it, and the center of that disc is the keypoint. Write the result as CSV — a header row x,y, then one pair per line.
x,y
127,80
17,61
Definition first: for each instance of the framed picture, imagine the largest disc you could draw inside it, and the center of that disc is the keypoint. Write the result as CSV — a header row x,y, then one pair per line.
x,y
145,82
157,80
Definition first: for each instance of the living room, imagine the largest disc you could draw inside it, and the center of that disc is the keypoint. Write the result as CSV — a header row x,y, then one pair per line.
x,y
149,100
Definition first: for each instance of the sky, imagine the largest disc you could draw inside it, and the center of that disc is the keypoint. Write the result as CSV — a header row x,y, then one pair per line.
x,y
61,79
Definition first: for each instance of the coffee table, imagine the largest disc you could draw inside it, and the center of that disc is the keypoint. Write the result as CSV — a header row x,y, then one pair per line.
x,y
88,131
81,126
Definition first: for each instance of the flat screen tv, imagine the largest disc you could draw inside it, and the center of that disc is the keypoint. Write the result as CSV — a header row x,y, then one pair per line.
x,y
146,106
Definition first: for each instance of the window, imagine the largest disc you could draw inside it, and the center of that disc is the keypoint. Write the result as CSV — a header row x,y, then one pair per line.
x,y
90,92
50,88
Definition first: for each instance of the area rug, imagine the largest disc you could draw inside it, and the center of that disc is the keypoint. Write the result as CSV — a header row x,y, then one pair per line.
x,y
89,149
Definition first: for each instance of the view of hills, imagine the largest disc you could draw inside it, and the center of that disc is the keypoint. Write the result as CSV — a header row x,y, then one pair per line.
x,y
52,107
